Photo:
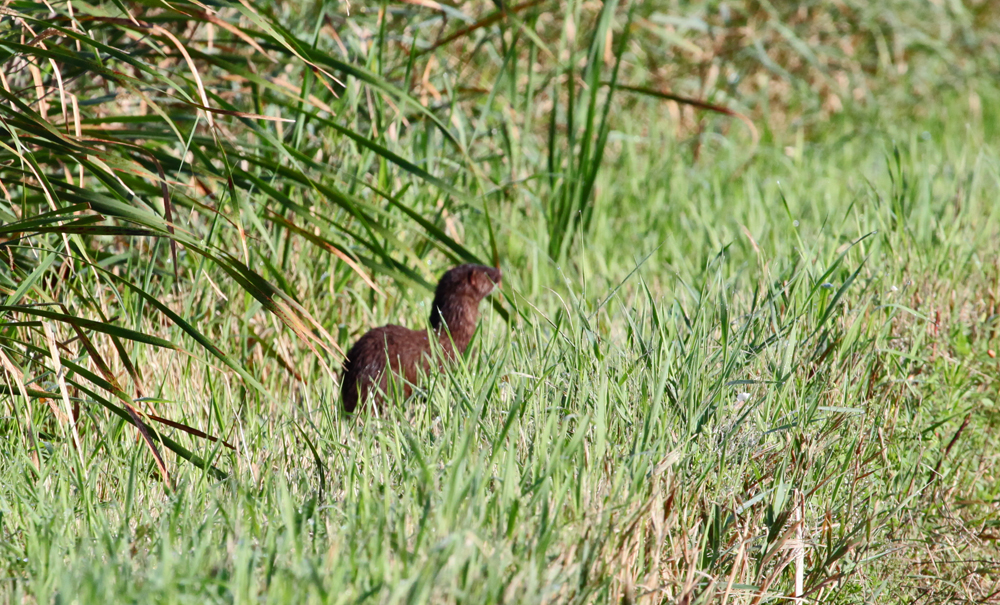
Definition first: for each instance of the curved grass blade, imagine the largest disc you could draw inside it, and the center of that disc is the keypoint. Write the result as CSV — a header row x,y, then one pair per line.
x,y
78,322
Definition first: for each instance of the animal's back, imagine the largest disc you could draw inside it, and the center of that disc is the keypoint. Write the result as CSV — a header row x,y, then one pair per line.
x,y
364,369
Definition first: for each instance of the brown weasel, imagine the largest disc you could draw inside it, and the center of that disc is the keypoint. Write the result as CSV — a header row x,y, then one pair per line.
x,y
453,318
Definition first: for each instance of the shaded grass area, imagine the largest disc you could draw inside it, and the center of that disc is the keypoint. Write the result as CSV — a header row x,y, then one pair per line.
x,y
724,360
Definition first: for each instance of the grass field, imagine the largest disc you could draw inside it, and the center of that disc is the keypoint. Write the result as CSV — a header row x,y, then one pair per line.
x,y
714,342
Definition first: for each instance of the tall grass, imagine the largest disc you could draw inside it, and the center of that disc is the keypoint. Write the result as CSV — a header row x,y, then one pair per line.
x,y
725,362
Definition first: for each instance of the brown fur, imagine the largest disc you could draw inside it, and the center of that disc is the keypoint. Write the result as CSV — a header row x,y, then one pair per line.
x,y
454,315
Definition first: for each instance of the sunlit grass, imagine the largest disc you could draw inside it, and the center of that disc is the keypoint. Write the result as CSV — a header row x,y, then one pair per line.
x,y
718,347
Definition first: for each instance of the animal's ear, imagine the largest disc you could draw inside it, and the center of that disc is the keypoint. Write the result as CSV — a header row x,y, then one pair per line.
x,y
480,281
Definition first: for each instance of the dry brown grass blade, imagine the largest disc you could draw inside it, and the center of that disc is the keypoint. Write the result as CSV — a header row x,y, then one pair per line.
x,y
484,22
317,70
426,4
13,372
133,371
780,544
736,566
272,352
228,27
61,381
160,464
332,249
190,430
951,444
98,360
112,379
325,340
669,96
237,114
311,99
766,584
826,582
164,193
156,29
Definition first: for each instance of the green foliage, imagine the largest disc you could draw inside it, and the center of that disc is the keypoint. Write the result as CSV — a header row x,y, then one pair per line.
x,y
711,341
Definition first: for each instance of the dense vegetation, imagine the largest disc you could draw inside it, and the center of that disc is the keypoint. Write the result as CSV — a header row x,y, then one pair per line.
x,y
750,300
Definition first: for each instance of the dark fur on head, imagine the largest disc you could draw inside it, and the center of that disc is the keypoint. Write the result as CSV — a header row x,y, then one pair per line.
x,y
456,300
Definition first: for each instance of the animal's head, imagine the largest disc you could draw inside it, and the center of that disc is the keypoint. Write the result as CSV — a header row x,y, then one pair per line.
x,y
468,281
459,292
